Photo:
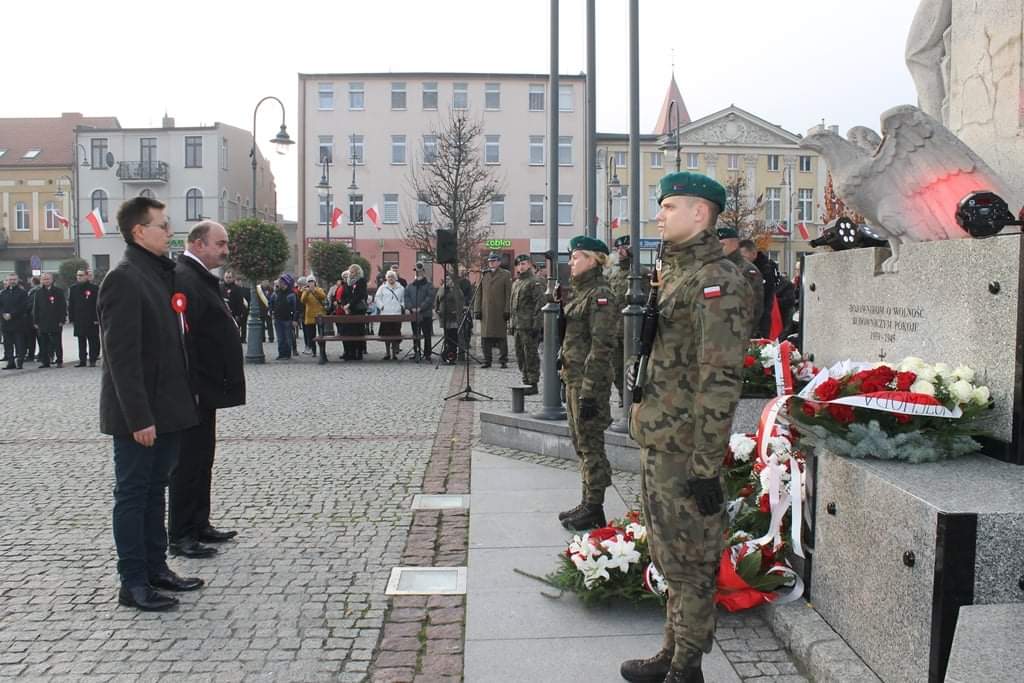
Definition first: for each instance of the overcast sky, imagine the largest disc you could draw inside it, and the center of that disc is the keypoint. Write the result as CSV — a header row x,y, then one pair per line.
x,y
792,62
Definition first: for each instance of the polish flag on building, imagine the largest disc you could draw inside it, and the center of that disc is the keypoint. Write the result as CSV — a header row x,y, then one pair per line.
x,y
615,223
96,221
804,232
374,216
61,219
336,217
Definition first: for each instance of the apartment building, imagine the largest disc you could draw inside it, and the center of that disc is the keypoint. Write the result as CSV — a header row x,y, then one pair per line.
x,y
200,172
369,131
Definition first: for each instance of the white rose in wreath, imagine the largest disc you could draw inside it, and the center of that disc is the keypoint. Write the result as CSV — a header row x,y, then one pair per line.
x,y
965,373
942,370
923,387
980,396
741,446
961,390
911,364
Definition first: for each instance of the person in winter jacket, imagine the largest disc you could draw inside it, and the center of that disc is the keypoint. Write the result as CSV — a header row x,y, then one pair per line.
x,y
390,298
419,299
284,307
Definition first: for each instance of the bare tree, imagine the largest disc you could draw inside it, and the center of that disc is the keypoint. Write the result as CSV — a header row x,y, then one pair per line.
x,y
745,217
455,183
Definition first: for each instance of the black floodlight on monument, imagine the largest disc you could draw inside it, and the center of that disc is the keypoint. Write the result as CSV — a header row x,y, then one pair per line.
x,y
845,234
984,214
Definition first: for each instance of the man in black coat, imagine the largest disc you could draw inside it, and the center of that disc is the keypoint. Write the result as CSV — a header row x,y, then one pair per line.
x,y
14,321
234,294
82,316
217,378
49,313
770,272
145,400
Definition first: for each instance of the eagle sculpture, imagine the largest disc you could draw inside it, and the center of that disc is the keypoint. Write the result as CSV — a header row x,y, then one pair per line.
x,y
906,186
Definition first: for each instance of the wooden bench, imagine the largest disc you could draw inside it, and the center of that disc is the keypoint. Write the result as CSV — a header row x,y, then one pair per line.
x,y
331,320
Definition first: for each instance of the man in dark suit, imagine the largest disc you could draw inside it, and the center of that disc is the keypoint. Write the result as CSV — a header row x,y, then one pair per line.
x,y
82,316
218,380
234,294
145,400
49,313
14,321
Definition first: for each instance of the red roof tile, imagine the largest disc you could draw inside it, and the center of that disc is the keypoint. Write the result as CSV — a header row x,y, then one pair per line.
x,y
52,136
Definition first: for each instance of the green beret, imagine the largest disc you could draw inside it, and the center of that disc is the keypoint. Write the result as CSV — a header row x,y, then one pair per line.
x,y
692,185
622,241
522,257
728,234
587,244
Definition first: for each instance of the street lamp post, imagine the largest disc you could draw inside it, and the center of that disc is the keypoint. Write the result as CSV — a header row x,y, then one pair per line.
x,y
76,193
675,134
614,189
352,189
324,188
254,345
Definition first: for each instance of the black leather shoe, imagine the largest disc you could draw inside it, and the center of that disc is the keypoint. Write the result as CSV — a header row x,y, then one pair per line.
x,y
485,365
170,581
211,535
44,365
590,516
504,366
145,599
10,366
531,390
80,364
92,364
190,547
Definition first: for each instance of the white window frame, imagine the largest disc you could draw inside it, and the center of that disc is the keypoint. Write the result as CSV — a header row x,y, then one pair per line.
x,y
398,88
224,154
693,160
733,162
498,210
492,91
565,150
657,159
429,88
356,142
325,96
652,202
457,90
356,215
772,205
188,147
50,222
356,91
492,143
805,204
398,150
22,217
389,209
564,204
194,204
773,162
102,202
620,160
325,201
805,164
32,153
424,213
429,148
536,202
325,144
566,97
536,147
535,90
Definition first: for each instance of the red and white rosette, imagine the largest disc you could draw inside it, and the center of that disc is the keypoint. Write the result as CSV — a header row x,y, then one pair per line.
x,y
179,304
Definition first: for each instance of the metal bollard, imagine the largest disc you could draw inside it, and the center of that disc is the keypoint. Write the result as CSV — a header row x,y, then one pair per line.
x,y
518,399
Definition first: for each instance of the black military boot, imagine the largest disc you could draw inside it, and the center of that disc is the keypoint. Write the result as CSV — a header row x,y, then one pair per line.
x,y
651,670
590,516
691,673
565,514
530,390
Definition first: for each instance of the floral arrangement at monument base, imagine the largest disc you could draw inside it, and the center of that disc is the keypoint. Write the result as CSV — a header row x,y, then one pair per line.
x,y
911,410
762,363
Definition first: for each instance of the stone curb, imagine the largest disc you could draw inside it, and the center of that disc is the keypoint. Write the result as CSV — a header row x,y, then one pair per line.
x,y
423,636
819,650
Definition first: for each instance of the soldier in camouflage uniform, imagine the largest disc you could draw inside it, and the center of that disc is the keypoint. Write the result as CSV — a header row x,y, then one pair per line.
x,y
587,350
683,420
618,280
528,298
730,240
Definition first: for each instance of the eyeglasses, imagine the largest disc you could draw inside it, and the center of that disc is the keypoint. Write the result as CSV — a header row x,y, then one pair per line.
x,y
163,226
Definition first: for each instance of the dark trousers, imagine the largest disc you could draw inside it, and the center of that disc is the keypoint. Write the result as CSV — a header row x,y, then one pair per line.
x,y
242,322
139,533
284,338
308,335
268,329
489,343
30,343
189,491
14,347
92,340
50,346
451,344
424,329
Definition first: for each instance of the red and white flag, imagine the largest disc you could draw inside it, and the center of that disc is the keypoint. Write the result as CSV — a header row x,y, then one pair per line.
x,y
804,233
336,217
96,221
61,219
615,223
374,216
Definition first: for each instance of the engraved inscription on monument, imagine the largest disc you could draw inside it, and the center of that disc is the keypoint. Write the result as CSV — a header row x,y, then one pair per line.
x,y
886,324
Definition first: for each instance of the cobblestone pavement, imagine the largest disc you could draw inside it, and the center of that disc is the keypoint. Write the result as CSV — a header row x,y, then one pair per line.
x,y
317,474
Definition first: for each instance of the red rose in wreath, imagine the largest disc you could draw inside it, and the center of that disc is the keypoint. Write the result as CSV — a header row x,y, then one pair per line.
x,y
840,413
827,390
748,361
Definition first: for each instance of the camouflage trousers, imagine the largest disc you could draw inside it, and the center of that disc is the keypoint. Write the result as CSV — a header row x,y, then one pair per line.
x,y
527,356
686,548
588,440
617,360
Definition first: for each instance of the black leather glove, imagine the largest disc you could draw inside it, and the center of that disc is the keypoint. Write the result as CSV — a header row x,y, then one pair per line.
x,y
479,316
588,409
508,316
708,495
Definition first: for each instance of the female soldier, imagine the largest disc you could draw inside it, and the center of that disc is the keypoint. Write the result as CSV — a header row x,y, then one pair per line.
x,y
587,349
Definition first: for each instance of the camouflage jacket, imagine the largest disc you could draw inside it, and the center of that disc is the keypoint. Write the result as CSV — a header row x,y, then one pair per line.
x,y
694,374
618,280
756,282
528,298
589,335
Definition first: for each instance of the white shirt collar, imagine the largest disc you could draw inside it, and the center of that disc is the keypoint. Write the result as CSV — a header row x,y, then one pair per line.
x,y
196,259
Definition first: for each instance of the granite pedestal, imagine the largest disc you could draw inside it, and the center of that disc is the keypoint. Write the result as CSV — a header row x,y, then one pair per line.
x,y
987,645
900,548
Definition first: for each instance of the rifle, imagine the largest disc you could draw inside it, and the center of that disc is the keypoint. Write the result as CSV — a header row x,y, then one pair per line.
x,y
648,331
